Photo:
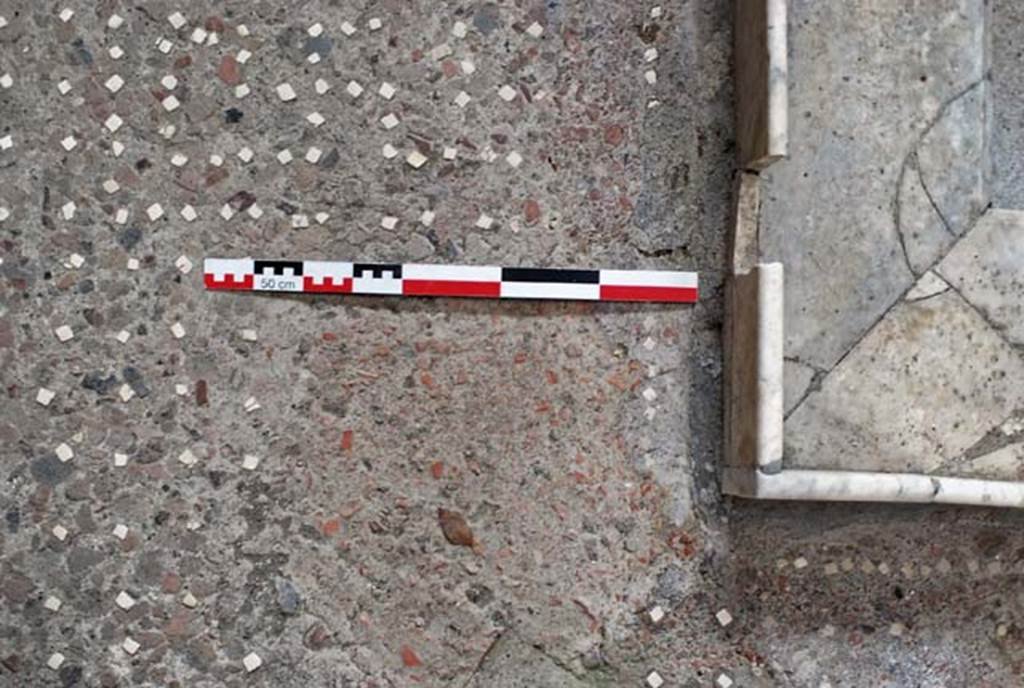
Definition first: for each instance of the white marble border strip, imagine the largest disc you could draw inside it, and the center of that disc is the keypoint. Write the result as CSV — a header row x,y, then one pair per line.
x,y
870,486
770,348
778,78
754,343
754,402
762,107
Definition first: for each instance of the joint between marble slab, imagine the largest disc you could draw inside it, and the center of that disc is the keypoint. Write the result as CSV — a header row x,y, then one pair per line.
x,y
995,327
822,373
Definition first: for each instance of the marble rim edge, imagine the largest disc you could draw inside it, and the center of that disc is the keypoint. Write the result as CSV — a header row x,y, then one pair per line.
x,y
778,79
871,486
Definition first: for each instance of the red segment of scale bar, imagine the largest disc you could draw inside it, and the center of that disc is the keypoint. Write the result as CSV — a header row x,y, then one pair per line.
x,y
480,290
328,287
660,294
229,282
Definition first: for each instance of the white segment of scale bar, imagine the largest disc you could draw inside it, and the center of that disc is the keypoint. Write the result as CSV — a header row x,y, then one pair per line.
x,y
550,290
219,267
319,269
648,278
387,286
452,273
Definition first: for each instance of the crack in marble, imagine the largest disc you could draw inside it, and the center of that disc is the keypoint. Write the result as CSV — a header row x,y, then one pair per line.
x,y
931,200
897,212
911,158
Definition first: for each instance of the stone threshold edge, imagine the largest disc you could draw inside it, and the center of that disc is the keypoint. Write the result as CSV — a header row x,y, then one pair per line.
x,y
870,486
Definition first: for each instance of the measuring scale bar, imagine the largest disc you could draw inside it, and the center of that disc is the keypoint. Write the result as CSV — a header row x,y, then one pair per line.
x,y
420,279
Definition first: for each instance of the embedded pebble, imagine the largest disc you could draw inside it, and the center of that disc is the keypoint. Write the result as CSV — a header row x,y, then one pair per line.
x,y
252,662
130,646
124,600
416,159
285,92
187,457
64,452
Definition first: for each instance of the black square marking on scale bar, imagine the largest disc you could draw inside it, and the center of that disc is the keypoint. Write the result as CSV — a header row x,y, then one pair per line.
x,y
277,267
550,275
377,270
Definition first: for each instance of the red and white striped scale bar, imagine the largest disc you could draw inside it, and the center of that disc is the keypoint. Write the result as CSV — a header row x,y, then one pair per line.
x,y
418,279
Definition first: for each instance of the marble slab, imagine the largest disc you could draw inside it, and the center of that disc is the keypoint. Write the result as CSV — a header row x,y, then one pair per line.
x,y
903,355
924,386
883,95
987,267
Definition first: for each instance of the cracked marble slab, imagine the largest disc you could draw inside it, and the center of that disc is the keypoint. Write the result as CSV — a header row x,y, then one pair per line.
x,y
867,118
987,267
924,386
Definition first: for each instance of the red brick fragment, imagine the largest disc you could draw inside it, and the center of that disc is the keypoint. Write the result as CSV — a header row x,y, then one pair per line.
x,y
455,529
614,134
317,637
229,72
531,211
216,175
437,469
410,658
346,441
179,625
171,583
